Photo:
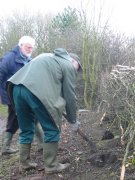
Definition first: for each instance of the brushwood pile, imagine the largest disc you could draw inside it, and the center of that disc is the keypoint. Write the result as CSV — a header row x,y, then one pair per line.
x,y
120,97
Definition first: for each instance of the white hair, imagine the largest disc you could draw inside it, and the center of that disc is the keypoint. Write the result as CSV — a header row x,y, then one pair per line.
x,y
26,40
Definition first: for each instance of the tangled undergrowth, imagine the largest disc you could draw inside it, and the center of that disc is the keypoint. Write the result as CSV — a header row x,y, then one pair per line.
x,y
120,101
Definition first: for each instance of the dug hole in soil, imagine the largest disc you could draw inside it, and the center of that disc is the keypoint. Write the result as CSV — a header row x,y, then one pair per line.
x,y
104,163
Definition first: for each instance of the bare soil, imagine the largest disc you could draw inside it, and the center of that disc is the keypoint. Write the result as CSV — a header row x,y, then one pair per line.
x,y
104,163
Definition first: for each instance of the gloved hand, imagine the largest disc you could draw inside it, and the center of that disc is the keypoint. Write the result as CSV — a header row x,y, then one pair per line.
x,y
75,126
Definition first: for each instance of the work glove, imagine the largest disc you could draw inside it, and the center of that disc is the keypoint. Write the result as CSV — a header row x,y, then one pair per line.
x,y
75,126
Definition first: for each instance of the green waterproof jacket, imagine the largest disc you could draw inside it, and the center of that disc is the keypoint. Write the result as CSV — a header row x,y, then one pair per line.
x,y
51,78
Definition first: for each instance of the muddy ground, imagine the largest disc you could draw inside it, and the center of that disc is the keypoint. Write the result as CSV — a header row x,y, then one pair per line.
x,y
103,164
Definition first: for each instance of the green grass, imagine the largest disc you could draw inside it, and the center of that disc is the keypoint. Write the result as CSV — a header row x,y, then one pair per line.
x,y
3,111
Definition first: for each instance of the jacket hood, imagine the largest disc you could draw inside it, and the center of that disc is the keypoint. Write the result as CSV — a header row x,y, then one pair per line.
x,y
62,53
68,56
16,50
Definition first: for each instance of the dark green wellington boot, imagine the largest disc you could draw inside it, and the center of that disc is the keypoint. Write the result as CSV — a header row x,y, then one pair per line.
x,y
25,163
7,140
50,160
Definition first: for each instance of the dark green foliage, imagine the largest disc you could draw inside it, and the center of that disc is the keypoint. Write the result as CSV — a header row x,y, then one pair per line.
x,y
67,19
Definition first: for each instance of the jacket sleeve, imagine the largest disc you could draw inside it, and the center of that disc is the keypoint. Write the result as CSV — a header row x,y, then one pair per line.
x,y
69,79
3,75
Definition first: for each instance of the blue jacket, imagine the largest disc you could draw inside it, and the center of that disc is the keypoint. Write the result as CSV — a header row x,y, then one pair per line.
x,y
10,64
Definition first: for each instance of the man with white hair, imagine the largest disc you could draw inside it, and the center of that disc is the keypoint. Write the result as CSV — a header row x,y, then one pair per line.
x,y
11,63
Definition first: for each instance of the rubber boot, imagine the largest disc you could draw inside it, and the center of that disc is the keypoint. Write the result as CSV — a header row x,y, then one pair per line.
x,y
6,149
50,160
25,163
39,136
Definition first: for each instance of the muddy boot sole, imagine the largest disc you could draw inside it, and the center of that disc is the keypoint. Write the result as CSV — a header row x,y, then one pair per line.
x,y
27,167
58,169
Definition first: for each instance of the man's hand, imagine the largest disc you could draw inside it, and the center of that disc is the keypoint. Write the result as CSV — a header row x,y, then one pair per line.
x,y
75,126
